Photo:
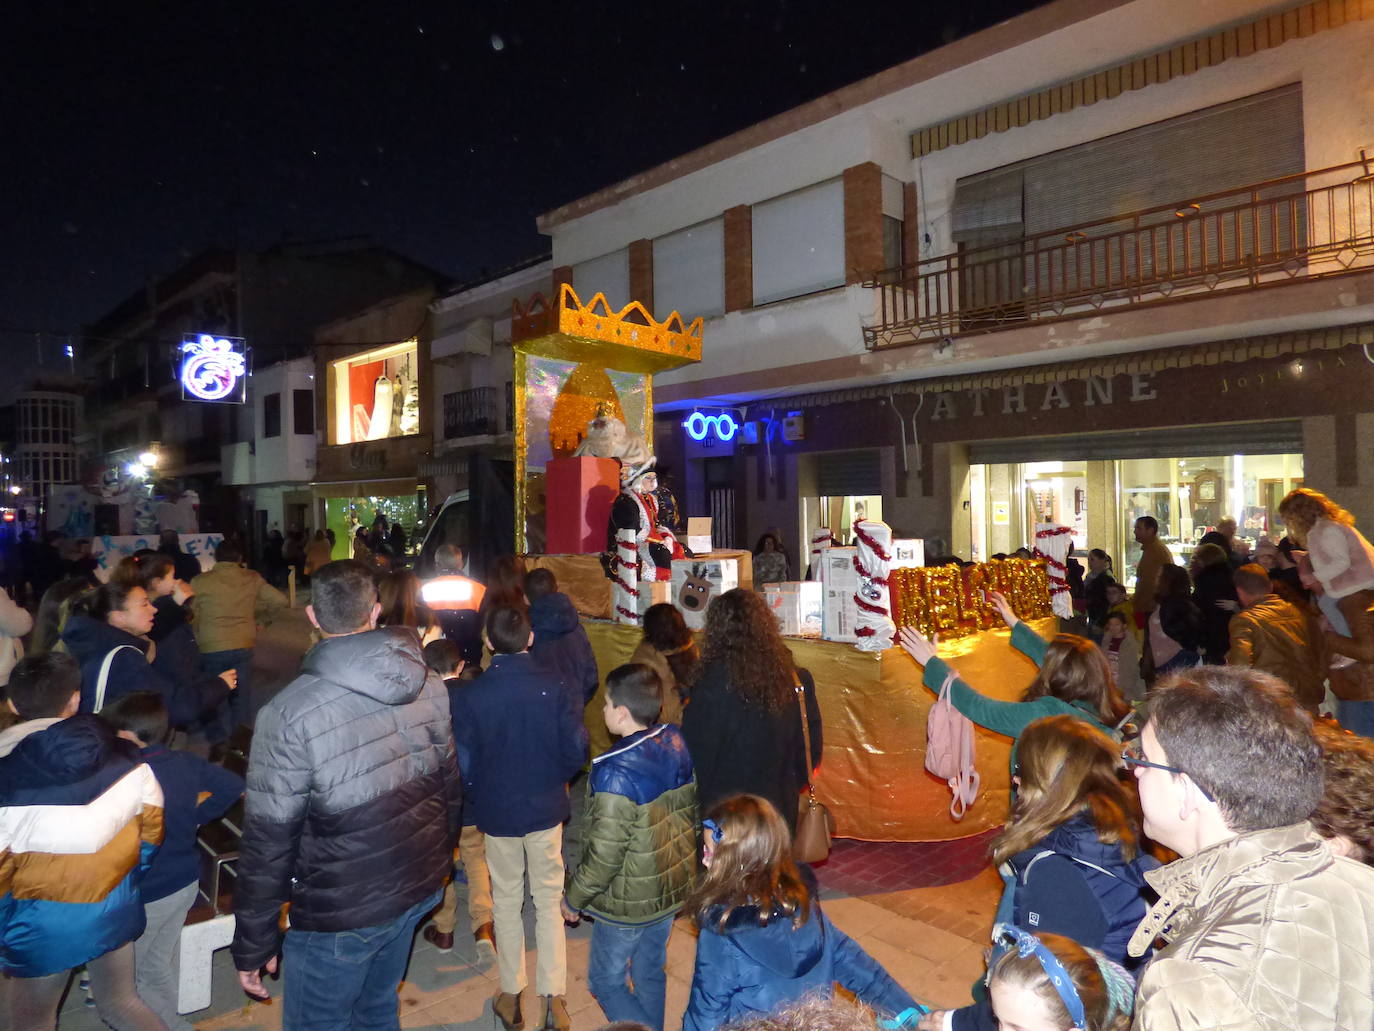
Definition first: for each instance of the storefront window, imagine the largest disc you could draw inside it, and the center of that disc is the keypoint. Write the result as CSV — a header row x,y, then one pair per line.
x,y
345,515
376,394
1101,500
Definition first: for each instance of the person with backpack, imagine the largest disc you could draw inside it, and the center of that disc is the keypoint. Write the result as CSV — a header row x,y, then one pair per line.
x,y
1070,855
107,634
1074,679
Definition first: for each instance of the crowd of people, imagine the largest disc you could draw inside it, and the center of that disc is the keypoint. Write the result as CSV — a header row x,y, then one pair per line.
x,y
1188,845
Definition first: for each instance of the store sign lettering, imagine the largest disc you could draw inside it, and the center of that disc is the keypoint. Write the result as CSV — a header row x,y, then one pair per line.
x,y
362,458
1057,394
1270,377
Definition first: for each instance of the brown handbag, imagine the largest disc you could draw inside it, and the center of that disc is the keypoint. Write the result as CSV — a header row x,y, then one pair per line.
x,y
811,842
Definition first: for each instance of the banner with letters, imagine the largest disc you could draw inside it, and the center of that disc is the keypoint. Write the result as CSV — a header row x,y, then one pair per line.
x,y
107,550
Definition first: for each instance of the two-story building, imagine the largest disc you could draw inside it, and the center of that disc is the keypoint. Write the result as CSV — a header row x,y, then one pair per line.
x,y
1102,260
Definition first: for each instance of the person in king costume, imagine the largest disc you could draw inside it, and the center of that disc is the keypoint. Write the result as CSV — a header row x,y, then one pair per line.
x,y
637,509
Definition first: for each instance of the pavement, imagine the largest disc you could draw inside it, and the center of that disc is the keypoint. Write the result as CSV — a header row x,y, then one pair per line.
x,y
924,910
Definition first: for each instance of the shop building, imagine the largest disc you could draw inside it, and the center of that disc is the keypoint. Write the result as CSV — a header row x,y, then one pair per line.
x,y
1101,260
267,302
374,417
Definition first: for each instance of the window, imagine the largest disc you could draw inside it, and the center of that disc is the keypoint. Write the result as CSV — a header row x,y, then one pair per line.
x,y
303,412
689,271
375,395
799,242
893,247
271,415
608,274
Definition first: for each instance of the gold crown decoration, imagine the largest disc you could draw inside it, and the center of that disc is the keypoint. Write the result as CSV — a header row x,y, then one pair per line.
x,y
629,340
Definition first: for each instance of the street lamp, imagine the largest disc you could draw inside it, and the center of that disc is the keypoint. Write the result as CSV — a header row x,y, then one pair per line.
x,y
136,469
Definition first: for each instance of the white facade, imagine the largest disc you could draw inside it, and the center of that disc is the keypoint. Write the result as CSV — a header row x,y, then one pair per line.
x,y
279,424
873,121
473,367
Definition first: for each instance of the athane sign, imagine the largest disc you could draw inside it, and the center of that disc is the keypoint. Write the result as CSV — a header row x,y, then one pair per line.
x,y
213,368
723,426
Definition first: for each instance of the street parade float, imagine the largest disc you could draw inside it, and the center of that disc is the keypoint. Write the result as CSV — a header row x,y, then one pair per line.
x,y
589,508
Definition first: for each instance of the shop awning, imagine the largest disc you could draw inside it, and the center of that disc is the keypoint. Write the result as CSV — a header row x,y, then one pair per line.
x,y
366,488
1275,437
1216,352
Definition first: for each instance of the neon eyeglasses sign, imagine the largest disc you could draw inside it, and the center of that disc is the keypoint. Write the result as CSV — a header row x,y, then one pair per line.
x,y
212,368
723,426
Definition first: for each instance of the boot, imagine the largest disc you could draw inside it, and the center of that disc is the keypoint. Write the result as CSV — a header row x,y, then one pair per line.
x,y
507,1009
556,1014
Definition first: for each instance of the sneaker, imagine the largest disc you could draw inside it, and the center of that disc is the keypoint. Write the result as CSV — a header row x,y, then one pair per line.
x,y
556,1014
441,941
507,1009
485,937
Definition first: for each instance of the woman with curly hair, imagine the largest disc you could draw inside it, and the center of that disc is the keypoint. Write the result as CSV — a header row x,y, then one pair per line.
x,y
764,940
1345,815
744,726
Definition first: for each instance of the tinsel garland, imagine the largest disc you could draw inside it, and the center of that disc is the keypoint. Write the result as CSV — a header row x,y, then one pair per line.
x,y
950,601
1057,570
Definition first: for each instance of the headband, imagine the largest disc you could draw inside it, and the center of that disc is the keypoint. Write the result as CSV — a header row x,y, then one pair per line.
x,y
1027,944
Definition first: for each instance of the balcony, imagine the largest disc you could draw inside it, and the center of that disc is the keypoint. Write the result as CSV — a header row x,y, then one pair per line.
x,y
1303,227
470,413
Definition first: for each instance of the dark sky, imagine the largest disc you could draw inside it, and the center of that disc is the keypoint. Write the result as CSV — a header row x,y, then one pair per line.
x,y
133,135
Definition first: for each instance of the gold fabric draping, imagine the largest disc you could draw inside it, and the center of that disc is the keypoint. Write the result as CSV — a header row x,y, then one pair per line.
x,y
873,711
583,580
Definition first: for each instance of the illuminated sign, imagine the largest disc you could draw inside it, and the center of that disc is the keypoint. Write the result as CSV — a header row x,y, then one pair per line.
x,y
722,426
213,368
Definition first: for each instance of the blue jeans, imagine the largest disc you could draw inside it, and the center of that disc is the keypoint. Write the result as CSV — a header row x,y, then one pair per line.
x,y
239,706
348,979
625,953
1357,717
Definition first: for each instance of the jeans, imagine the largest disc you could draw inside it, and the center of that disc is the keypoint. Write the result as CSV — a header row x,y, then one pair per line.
x,y
625,970
1357,717
157,954
34,1000
238,709
1185,659
348,979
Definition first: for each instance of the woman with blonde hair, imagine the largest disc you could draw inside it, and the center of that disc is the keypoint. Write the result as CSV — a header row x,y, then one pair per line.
x,y
1070,854
1074,679
763,939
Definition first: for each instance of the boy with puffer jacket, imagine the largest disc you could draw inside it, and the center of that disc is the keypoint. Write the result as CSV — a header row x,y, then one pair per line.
x,y
639,851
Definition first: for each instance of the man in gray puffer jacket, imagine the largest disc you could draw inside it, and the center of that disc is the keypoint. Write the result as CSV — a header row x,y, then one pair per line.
x,y
353,809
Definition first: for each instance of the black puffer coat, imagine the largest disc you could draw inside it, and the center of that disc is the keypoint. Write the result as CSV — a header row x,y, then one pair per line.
x,y
353,803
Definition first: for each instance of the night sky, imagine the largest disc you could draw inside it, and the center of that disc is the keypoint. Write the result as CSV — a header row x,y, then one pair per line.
x,y
136,134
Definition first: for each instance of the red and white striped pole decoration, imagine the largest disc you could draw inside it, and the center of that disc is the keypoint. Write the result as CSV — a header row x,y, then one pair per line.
x,y
873,561
625,578
821,541
1053,544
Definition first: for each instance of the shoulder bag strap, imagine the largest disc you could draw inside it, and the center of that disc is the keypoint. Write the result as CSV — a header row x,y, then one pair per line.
x,y
806,729
104,678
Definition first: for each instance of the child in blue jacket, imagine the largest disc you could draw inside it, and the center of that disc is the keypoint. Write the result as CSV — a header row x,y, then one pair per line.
x,y
195,793
764,940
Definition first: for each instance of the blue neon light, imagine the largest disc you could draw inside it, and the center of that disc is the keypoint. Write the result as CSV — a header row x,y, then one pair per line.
x,y
722,426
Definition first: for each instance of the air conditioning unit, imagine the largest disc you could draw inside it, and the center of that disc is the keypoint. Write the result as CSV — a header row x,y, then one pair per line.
x,y
794,427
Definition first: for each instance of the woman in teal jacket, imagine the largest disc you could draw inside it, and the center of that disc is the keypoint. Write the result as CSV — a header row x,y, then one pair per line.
x,y
1074,679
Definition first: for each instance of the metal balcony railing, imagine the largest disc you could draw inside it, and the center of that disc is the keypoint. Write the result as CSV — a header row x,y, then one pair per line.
x,y
470,413
1313,224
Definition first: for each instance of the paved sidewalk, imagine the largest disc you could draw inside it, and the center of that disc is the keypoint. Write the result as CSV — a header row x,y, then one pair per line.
x,y
914,907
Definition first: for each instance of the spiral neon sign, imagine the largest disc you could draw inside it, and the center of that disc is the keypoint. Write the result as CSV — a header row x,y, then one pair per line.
x,y
722,426
212,368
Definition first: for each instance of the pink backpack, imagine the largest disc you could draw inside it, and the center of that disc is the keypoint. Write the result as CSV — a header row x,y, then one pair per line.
x,y
949,750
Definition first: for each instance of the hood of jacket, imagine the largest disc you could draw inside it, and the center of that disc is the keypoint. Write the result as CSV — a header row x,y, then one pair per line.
x,y
88,638
553,615
787,951
384,664
66,752
1077,839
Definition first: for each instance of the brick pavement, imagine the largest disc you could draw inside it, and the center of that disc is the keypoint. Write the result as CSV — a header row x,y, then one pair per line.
x,y
923,910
